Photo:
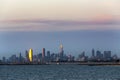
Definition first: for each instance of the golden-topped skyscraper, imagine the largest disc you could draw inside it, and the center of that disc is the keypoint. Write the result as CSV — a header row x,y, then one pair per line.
x,y
30,55
61,48
61,52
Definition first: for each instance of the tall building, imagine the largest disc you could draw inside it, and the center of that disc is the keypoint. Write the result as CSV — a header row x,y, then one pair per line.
x,y
20,58
26,56
48,55
107,55
43,53
4,59
82,57
13,58
30,55
93,53
35,58
61,52
99,55
39,56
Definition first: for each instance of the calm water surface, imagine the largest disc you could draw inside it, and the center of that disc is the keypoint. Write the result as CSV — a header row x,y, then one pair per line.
x,y
59,72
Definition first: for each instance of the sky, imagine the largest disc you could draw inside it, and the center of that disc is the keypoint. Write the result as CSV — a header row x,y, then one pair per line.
x,y
77,24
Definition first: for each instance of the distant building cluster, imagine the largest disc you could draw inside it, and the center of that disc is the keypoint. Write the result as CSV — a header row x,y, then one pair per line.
x,y
98,56
46,57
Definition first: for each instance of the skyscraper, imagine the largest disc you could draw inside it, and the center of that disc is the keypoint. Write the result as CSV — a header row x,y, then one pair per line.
x,y
48,55
20,58
30,55
107,55
26,56
4,59
93,53
61,52
43,54
99,55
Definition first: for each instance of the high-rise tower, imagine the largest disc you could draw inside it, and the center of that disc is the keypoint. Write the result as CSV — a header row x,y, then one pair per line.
x,y
27,56
93,53
61,52
30,55
43,53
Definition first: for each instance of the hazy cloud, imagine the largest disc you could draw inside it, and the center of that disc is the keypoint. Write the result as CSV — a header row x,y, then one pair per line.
x,y
56,25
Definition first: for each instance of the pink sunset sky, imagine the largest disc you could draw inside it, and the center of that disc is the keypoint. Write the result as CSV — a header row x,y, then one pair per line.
x,y
59,15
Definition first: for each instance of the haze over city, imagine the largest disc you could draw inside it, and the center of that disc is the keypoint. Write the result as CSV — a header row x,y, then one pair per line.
x,y
79,25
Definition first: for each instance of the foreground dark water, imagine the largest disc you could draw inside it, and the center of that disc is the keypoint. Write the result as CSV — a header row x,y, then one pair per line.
x,y
59,72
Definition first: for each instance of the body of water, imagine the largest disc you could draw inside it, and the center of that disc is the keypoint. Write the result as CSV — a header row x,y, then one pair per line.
x,y
59,72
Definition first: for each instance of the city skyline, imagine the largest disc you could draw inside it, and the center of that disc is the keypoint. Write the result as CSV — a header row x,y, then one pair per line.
x,y
46,57
61,52
74,42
